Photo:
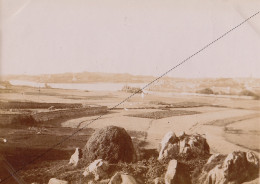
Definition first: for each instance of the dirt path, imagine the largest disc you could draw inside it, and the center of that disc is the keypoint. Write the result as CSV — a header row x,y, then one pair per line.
x,y
211,121
216,132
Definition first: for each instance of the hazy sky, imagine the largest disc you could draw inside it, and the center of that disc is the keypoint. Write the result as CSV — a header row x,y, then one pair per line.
x,y
135,36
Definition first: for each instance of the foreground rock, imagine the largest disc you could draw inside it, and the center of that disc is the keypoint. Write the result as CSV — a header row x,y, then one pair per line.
x,y
97,169
112,144
56,181
188,145
119,178
176,174
235,168
74,159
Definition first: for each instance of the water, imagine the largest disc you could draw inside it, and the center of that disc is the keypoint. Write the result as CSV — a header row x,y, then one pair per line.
x,y
79,86
113,87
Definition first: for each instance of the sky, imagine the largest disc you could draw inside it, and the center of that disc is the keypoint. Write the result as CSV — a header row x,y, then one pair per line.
x,y
141,37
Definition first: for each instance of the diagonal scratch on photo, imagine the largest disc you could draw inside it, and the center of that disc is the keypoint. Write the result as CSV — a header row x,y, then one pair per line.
x,y
129,92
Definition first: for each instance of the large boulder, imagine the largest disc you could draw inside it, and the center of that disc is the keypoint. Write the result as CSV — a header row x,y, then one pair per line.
x,y
234,168
112,144
176,174
172,146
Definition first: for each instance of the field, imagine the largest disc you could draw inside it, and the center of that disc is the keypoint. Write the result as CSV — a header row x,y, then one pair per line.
x,y
228,124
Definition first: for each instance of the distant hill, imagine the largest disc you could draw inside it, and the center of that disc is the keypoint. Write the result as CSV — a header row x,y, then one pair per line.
x,y
84,77
166,84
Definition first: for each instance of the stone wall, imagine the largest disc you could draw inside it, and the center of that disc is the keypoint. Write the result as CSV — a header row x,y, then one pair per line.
x,y
37,105
9,118
46,116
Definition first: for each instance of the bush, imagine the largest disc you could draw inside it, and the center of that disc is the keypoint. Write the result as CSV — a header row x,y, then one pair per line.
x,y
26,120
207,91
249,93
129,89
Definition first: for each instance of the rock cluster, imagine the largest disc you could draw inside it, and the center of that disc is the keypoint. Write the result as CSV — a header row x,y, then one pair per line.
x,y
189,145
112,144
99,170
235,168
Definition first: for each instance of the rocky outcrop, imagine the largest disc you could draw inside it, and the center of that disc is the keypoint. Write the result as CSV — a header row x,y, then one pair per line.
x,y
112,144
234,168
56,181
183,159
119,178
188,145
176,174
97,170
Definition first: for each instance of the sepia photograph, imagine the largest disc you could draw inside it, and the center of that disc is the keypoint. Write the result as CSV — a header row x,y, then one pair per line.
x,y
129,91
